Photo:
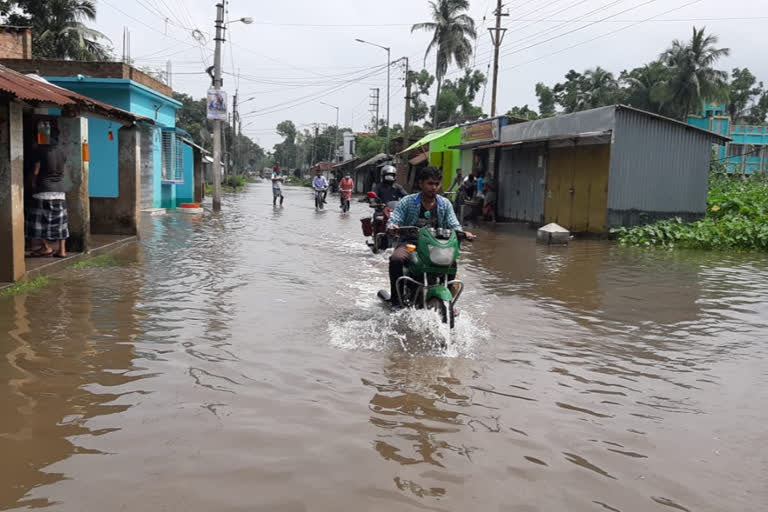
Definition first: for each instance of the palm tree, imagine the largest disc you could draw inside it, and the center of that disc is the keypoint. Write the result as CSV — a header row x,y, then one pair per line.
x,y
645,87
600,89
693,79
452,32
60,32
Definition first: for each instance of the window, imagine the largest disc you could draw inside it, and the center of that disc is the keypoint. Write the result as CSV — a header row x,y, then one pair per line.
x,y
735,149
173,157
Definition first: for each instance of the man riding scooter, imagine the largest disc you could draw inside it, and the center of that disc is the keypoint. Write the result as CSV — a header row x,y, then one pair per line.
x,y
425,208
388,191
320,184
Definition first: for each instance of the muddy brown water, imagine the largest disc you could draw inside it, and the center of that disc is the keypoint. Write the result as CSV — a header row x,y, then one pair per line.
x,y
242,363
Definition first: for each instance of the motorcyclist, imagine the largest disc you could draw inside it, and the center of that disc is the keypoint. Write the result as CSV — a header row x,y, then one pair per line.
x,y
320,184
346,187
388,191
425,208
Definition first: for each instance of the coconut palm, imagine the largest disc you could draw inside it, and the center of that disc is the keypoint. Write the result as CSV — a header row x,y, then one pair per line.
x,y
645,87
60,32
452,33
599,88
693,79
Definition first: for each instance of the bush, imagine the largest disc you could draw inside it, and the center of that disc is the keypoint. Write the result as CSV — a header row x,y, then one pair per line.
x,y
235,181
736,218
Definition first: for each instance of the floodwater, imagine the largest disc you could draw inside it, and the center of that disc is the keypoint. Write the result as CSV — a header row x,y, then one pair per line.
x,y
242,363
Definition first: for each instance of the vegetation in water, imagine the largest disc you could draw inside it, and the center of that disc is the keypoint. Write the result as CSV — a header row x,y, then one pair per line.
x,y
104,260
736,218
23,287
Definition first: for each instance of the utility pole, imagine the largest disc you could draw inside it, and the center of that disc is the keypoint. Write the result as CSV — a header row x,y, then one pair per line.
x,y
497,36
217,83
234,128
407,125
389,70
374,109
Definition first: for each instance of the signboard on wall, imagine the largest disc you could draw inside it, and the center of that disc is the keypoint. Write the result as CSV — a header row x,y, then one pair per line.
x,y
217,105
485,131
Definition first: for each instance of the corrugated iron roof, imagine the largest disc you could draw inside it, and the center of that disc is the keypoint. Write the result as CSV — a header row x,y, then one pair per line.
x,y
39,92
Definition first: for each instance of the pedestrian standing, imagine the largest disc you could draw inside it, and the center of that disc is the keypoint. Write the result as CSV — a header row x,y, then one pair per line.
x,y
47,218
277,185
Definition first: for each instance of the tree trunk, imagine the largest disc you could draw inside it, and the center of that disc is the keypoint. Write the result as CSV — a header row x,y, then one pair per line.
x,y
435,119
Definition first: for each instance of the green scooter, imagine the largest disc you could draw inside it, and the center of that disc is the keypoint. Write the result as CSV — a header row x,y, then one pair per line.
x,y
429,280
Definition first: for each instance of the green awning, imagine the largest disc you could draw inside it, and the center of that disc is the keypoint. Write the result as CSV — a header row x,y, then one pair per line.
x,y
429,138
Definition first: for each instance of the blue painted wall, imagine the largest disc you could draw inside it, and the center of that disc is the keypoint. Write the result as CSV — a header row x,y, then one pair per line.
x,y
185,192
715,118
103,170
140,100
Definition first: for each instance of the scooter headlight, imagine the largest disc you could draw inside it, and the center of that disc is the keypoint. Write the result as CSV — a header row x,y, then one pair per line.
x,y
441,256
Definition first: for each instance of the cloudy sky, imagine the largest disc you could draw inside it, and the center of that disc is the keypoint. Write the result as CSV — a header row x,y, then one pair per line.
x,y
299,53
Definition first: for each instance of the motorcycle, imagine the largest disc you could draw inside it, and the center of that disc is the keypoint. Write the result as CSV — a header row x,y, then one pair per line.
x,y
320,199
346,197
375,226
429,281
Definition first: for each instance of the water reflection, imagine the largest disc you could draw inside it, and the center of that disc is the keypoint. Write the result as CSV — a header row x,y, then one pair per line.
x,y
57,370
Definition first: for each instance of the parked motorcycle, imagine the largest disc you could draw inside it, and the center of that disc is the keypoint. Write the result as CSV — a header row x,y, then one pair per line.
x,y
429,281
375,226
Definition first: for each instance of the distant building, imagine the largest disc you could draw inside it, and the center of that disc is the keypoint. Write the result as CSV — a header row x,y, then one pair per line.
x,y
15,42
747,153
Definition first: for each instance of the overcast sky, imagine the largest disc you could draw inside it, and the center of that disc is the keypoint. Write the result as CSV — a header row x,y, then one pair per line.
x,y
301,52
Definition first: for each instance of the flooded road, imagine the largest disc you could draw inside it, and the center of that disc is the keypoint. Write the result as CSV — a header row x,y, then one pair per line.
x,y
242,363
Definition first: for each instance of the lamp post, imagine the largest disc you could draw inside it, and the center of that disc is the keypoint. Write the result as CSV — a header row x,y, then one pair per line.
x,y
217,83
389,65
336,147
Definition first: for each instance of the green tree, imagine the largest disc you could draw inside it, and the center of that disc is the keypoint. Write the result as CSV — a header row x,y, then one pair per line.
x,y
599,88
420,82
523,113
567,94
693,78
286,152
743,93
644,87
452,33
546,100
370,146
58,28
457,97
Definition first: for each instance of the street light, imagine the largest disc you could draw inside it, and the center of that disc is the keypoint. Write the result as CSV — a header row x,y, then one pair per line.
x,y
389,65
336,147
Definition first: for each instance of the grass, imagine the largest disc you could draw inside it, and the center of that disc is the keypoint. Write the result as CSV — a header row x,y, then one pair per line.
x,y
736,219
23,287
234,183
105,260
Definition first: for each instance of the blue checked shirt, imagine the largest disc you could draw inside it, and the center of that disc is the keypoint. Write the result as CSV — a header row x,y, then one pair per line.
x,y
407,213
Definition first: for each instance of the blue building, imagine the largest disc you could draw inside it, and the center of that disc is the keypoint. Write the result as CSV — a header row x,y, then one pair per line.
x,y
747,153
167,168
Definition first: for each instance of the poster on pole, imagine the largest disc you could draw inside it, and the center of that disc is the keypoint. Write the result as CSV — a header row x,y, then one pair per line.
x,y
217,105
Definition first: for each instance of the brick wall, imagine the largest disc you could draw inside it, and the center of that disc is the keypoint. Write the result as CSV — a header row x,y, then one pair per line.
x,y
71,68
15,43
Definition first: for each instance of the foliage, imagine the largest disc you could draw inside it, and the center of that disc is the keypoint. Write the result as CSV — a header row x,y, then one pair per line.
x,y
58,28
23,287
368,147
523,113
693,79
104,260
737,218
546,100
235,181
747,99
421,83
675,85
452,34
455,102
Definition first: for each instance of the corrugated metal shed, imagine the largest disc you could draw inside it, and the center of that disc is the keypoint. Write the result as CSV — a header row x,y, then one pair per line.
x,y
659,168
38,92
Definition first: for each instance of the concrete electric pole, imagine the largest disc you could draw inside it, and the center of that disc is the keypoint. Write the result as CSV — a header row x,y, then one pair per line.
x,y
217,83
497,36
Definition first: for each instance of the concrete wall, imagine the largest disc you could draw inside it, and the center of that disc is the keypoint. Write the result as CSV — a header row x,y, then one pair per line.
x,y
69,68
147,167
74,133
15,43
120,215
11,192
